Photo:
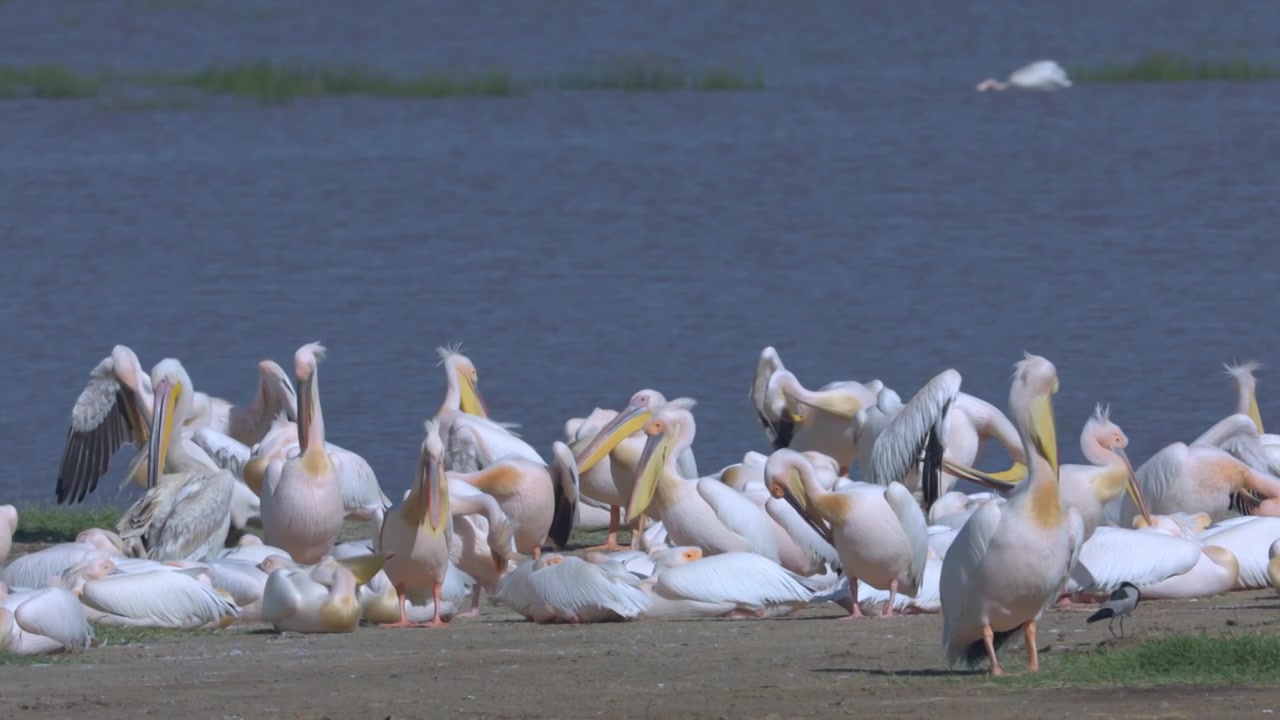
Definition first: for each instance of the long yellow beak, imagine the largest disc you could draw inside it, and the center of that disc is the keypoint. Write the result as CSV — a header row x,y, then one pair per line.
x,y
1134,489
793,493
1044,432
649,471
1003,481
304,411
166,394
1253,412
471,401
364,567
620,428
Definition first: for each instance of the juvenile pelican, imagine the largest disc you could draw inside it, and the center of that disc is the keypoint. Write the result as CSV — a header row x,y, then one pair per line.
x,y
302,507
1039,75
186,514
704,513
1009,562
879,531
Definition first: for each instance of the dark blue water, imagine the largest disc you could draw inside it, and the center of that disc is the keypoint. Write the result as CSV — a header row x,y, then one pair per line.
x,y
867,213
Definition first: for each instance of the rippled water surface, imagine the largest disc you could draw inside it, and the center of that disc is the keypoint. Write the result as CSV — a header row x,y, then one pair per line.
x,y
867,213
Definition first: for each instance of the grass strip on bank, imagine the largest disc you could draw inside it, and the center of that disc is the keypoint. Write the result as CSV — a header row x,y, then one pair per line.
x,y
1229,659
1166,66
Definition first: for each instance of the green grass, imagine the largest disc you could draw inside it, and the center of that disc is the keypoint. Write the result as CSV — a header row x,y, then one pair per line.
x,y
269,82
46,82
56,524
1180,659
640,76
1168,67
104,636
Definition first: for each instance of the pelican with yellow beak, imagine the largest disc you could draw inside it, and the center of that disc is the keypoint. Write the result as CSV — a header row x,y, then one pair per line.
x,y
1009,562
462,392
186,511
418,532
302,507
704,513
620,443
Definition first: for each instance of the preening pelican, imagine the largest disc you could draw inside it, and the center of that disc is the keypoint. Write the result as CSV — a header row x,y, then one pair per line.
x,y
1009,562
704,513
302,506
1039,75
687,585
321,599
621,442
43,621
566,589
462,393
248,424
186,513
770,404
537,498
171,598
879,531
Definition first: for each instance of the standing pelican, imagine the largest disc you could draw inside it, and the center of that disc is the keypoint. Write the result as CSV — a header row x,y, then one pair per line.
x,y
302,508
186,514
247,424
1009,562
1039,75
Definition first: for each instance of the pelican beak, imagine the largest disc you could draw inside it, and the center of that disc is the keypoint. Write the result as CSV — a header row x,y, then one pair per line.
x,y
1043,431
472,402
1253,412
364,567
305,403
794,500
1134,489
166,394
649,471
620,428
795,416
437,494
1000,482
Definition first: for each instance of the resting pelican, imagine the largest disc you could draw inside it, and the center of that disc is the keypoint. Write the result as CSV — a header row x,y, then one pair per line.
x,y
703,513
687,585
185,515
1039,75
418,532
879,531
173,599
1087,488
321,599
1009,562
1273,566
621,441
1249,539
302,507
536,498
43,621
36,569
8,526
248,424
566,589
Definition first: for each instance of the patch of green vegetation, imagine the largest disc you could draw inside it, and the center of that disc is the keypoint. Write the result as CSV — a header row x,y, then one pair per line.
x,y
640,76
1180,659
1166,66
45,81
269,82
7,659
590,538
56,524
113,635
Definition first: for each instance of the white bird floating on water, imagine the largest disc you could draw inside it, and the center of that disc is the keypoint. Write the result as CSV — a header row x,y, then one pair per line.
x,y
1039,75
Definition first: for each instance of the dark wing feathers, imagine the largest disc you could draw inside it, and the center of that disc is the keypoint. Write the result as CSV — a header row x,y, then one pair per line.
x,y
105,418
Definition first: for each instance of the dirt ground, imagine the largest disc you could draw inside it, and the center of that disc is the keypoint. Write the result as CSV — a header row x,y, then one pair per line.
x,y
498,666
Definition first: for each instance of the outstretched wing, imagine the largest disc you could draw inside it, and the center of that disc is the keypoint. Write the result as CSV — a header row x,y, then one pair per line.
x,y
104,419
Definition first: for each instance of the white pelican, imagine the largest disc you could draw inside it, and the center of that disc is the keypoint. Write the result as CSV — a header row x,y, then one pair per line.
x,y
800,548
1249,540
302,505
567,589
621,441
879,531
8,526
248,424
173,599
36,569
418,533
1008,563
186,514
1039,75
687,585
1088,488
939,422
469,551
1273,566
44,621
704,513
321,599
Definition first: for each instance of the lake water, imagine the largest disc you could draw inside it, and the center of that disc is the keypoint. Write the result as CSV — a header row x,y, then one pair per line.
x,y
867,213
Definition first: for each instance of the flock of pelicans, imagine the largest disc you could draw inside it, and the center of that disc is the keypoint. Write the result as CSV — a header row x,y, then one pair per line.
x,y
922,531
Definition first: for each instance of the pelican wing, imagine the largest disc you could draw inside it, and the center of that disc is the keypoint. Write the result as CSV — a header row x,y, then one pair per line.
x,y
740,515
475,443
158,599
514,590
1157,477
1143,557
226,452
576,585
36,569
1251,543
914,525
53,613
564,473
779,427
740,578
899,447
1238,436
961,597
104,419
360,488
869,423
200,507
801,531
476,502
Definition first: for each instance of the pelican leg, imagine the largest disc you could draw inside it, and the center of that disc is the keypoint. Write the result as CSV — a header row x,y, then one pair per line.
x,y
611,540
435,595
404,617
855,612
475,602
888,607
988,640
537,551
1029,632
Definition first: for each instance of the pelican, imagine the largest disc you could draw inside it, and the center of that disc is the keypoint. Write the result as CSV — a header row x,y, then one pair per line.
x,y
170,599
878,531
770,404
1273,565
302,506
1009,562
470,549
43,621
418,533
687,585
1039,75
621,441
248,424
462,394
321,599
566,589
703,513
8,526
36,569
1249,540
1088,488
185,515
940,422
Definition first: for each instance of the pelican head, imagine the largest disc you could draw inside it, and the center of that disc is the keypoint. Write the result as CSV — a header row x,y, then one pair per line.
x,y
305,361
639,410
672,557
672,425
172,389
433,484
1247,390
273,380
126,366
463,379
1035,382
547,560
1109,435
991,84
784,473
273,563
